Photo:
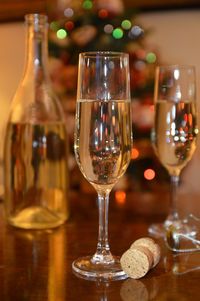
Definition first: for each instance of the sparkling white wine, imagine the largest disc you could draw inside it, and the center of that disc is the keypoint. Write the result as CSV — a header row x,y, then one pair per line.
x,y
36,175
103,140
175,132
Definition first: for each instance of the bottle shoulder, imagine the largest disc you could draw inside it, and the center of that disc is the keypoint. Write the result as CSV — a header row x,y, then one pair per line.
x,y
35,104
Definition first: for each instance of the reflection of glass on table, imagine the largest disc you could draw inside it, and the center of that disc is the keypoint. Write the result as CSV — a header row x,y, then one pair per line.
x,y
181,264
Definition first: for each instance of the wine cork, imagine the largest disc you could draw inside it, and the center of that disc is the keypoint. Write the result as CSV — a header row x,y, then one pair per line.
x,y
136,261
151,245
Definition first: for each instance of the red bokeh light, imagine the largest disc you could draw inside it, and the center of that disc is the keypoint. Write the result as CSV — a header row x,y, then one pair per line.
x,y
149,174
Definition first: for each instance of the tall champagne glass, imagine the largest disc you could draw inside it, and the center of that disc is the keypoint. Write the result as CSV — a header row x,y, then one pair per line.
x,y
103,138
174,133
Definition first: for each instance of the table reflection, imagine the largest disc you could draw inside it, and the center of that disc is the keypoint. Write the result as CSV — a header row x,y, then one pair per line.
x,y
180,264
36,265
33,264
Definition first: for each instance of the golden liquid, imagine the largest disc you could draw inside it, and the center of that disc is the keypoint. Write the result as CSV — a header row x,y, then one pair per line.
x,y
174,135
103,139
36,175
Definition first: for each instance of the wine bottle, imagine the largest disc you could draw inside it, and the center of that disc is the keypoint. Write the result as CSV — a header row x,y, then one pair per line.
x,y
36,144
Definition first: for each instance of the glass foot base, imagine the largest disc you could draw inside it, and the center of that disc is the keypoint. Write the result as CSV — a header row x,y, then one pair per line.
x,y
159,230
85,268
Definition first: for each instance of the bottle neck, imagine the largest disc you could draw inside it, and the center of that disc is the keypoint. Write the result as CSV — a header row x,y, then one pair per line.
x,y
36,48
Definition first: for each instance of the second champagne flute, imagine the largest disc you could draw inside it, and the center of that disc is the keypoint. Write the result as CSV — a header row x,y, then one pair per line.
x,y
103,141
174,133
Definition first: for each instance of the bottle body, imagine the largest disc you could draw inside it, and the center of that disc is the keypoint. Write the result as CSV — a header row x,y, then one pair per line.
x,y
36,175
36,145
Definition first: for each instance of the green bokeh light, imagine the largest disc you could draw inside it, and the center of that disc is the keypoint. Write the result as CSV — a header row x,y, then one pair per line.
x,y
87,4
151,57
117,33
61,34
54,26
126,24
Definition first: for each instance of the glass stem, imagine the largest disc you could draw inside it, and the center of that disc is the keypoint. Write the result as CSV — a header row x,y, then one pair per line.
x,y
103,253
173,202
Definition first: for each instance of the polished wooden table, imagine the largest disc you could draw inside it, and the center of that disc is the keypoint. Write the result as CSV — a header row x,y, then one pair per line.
x,y
36,265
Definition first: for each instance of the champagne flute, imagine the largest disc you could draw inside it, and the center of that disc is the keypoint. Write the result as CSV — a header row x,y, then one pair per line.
x,y
174,133
103,141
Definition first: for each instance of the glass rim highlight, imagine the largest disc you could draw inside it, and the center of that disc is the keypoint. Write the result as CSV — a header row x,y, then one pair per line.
x,y
103,54
175,66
